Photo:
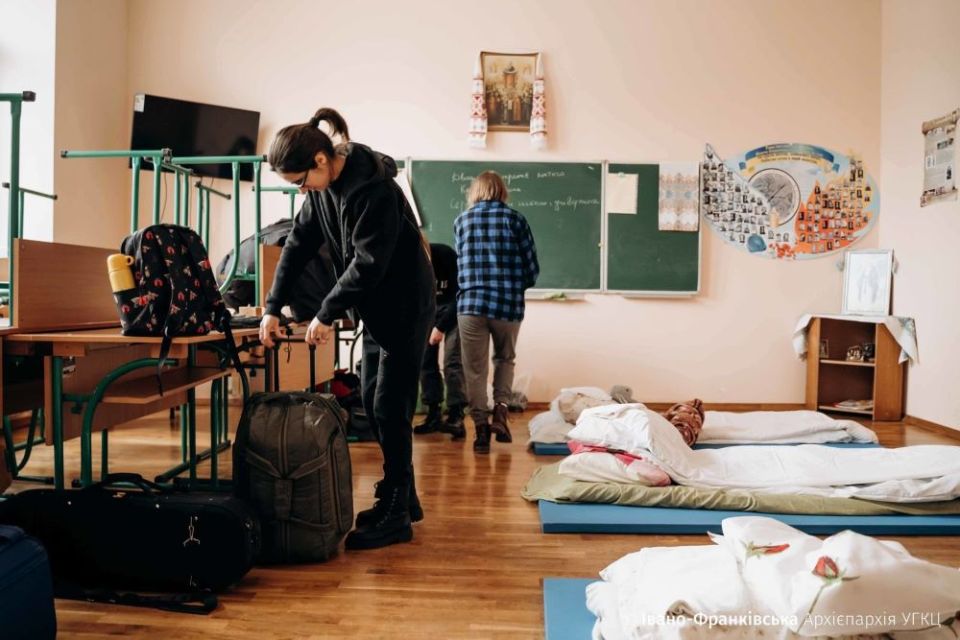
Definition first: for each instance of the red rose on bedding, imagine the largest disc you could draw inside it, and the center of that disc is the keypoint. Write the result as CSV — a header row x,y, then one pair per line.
x,y
827,569
764,550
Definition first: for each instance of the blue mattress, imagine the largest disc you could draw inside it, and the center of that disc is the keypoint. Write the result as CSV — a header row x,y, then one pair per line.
x,y
565,613
614,518
560,448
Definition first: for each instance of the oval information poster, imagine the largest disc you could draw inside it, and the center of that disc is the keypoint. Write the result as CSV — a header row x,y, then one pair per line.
x,y
788,201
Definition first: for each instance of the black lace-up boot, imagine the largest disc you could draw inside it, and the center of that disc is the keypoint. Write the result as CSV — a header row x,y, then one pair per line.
x,y
432,423
391,521
368,516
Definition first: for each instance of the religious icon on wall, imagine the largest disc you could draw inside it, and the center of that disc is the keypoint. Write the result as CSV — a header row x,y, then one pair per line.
x,y
508,89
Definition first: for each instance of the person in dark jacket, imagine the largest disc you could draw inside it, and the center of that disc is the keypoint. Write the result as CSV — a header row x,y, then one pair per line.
x,y
384,277
444,330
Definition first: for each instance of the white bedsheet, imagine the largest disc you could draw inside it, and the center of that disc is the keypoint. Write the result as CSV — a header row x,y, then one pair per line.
x,y
883,590
810,427
727,427
907,474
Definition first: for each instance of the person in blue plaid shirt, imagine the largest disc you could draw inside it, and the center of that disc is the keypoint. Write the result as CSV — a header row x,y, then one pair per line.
x,y
496,264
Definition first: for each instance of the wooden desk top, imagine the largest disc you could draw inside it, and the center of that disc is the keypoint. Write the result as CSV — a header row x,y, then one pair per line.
x,y
6,329
113,336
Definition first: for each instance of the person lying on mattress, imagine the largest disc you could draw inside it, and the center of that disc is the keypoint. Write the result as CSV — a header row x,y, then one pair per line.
x,y
655,453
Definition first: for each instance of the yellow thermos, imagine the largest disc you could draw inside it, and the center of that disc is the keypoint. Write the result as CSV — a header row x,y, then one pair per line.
x,y
118,268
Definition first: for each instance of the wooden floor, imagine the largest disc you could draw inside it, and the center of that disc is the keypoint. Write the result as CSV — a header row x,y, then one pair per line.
x,y
473,570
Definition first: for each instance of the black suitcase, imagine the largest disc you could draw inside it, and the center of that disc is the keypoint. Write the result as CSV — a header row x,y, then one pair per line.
x,y
26,591
147,539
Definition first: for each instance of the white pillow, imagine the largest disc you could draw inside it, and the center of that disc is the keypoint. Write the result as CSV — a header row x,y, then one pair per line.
x,y
573,401
599,466
549,426
626,427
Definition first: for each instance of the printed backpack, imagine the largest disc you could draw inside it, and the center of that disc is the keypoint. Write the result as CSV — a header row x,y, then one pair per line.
x,y
175,292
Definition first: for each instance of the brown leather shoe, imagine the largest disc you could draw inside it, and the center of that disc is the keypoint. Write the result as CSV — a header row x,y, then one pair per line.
x,y
500,425
482,442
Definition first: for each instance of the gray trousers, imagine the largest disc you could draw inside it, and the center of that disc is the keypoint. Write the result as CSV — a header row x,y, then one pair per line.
x,y
475,335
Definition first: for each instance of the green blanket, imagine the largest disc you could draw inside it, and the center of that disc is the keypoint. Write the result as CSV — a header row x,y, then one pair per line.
x,y
547,484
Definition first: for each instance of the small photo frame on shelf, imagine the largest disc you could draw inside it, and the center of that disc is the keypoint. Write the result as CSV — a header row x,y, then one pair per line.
x,y
867,282
855,353
824,348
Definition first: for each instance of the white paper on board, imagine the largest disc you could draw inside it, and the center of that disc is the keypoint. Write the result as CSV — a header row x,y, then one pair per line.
x,y
622,193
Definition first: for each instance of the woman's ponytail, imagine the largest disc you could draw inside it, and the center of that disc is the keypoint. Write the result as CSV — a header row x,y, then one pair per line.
x,y
338,126
294,148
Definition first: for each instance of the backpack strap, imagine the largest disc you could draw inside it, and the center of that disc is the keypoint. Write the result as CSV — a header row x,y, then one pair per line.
x,y
169,243
232,350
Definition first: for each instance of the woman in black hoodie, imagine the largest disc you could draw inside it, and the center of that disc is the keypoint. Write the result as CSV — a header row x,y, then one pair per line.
x,y
384,277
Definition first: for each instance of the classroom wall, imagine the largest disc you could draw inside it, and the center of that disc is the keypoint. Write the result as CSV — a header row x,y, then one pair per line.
x,y
92,112
627,80
921,81
27,46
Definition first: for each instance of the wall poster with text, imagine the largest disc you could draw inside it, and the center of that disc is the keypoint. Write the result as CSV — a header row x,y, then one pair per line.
x,y
940,159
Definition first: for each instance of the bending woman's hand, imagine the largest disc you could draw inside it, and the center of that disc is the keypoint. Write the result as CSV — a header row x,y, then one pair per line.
x,y
318,333
269,326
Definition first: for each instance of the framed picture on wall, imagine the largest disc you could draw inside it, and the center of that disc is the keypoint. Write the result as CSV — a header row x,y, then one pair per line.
x,y
867,282
508,89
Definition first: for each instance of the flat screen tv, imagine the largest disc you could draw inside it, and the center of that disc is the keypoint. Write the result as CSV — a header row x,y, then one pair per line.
x,y
195,129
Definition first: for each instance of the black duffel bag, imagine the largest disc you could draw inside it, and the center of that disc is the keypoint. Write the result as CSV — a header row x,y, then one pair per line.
x,y
147,538
291,462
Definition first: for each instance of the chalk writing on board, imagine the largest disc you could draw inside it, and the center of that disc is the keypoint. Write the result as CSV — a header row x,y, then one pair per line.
x,y
574,203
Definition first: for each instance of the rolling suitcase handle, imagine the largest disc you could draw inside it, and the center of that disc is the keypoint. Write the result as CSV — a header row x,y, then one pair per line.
x,y
313,368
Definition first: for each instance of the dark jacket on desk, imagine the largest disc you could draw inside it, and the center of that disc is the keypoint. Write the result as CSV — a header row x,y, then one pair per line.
x,y
379,257
445,269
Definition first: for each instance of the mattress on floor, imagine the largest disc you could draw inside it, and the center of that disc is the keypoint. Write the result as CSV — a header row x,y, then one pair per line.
x,y
565,613
547,484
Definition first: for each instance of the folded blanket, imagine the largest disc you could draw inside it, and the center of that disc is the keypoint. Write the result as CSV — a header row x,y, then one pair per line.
x,y
812,427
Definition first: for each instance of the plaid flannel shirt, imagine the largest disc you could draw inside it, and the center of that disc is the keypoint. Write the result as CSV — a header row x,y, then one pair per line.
x,y
496,261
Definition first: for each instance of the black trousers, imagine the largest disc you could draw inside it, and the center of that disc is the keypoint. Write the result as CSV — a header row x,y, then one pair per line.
x,y
389,390
432,381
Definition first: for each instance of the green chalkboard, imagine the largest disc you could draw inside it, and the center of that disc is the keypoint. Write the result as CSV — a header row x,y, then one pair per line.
x,y
560,200
640,257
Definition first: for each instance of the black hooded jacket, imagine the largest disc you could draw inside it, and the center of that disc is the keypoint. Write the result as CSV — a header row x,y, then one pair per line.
x,y
379,257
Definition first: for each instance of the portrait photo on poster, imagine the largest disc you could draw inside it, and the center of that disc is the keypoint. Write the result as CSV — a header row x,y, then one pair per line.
x,y
867,282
